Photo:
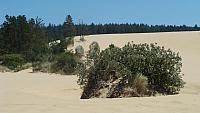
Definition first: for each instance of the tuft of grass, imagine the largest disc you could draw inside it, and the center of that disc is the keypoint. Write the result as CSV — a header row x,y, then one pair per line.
x,y
140,85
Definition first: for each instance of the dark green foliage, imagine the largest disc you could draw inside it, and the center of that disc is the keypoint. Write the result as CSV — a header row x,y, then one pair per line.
x,y
68,27
29,38
123,67
54,32
12,61
22,36
15,31
61,46
57,48
65,63
2,51
162,67
113,28
38,47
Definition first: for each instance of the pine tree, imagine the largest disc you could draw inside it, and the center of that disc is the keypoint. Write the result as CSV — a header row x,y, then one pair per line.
x,y
19,36
69,28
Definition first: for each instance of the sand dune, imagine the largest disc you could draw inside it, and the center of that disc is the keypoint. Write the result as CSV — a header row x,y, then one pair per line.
x,y
26,92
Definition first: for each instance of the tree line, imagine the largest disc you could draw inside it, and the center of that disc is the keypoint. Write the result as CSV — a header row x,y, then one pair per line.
x,y
131,28
55,31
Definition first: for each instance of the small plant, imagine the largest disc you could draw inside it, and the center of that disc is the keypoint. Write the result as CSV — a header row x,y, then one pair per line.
x,y
140,85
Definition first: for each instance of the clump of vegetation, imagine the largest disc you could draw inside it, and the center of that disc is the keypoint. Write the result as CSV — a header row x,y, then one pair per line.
x,y
82,73
64,63
138,87
57,48
12,61
23,40
58,60
133,70
79,51
94,50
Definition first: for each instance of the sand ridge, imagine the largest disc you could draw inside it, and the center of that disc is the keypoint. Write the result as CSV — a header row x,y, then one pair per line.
x,y
26,92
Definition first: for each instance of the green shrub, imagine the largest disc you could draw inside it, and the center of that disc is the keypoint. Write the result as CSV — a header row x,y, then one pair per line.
x,y
116,69
57,48
79,51
60,46
81,70
94,50
162,67
12,61
64,63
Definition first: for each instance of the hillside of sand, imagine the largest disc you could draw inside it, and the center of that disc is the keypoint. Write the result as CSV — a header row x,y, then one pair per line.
x,y
27,92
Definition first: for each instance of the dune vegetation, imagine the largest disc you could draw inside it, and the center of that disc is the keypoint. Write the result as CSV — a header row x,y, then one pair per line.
x,y
132,70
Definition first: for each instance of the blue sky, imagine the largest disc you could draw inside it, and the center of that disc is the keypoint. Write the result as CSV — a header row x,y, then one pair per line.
x,y
106,11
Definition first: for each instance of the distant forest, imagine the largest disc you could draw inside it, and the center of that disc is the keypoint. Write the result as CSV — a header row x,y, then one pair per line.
x,y
56,31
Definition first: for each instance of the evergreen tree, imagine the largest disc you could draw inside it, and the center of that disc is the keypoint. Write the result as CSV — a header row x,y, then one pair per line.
x,y
19,36
39,43
68,27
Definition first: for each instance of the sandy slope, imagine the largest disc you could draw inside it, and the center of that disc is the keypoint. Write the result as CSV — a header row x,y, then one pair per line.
x,y
26,92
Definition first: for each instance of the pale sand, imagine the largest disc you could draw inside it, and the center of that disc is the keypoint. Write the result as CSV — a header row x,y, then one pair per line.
x,y
25,92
